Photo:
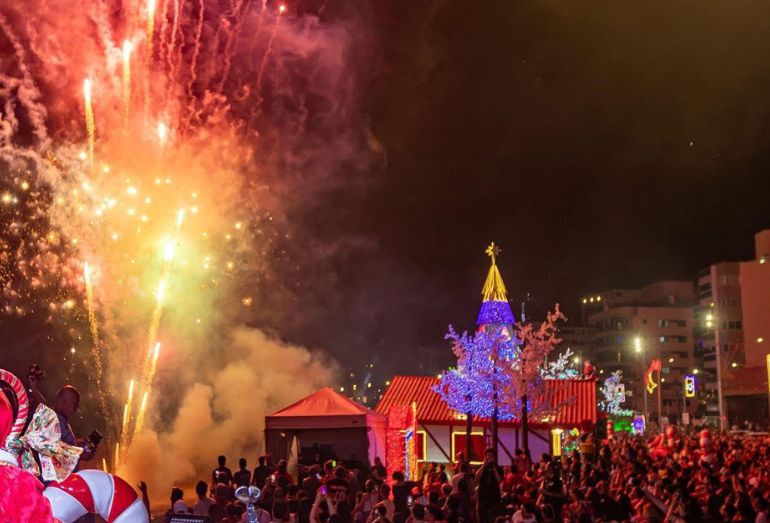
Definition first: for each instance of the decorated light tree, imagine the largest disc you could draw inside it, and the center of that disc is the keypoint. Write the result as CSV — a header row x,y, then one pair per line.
x,y
613,392
475,386
501,370
527,392
561,368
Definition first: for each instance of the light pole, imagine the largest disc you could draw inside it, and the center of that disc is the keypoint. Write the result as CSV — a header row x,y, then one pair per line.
x,y
638,350
712,323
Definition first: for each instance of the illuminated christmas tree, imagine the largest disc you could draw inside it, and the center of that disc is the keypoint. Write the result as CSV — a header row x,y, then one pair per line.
x,y
475,386
501,372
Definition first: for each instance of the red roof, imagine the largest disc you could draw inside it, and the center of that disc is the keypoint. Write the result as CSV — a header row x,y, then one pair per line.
x,y
404,390
323,409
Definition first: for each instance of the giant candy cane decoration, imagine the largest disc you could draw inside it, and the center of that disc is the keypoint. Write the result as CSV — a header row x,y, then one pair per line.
x,y
95,492
21,418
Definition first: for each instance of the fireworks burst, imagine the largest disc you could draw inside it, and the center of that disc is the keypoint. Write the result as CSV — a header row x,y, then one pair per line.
x,y
131,236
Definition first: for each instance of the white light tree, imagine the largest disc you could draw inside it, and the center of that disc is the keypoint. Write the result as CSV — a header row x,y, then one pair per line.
x,y
528,393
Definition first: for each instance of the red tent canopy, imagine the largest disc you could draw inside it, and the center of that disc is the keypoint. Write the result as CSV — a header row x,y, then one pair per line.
x,y
327,418
325,409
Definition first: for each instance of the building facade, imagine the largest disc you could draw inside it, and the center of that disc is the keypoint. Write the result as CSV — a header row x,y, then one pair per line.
x,y
733,335
635,326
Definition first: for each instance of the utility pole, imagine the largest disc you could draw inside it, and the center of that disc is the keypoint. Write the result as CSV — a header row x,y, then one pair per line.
x,y
660,402
684,403
720,398
713,321
638,350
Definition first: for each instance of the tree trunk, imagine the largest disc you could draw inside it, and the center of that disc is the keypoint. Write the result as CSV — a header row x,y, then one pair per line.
x,y
496,413
495,440
525,428
468,430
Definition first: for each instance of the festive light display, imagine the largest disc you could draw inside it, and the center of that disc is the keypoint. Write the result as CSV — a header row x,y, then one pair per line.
x,y
475,386
528,375
614,393
495,309
502,362
561,368
481,359
655,366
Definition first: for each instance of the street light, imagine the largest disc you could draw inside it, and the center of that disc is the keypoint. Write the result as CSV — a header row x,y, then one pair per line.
x,y
638,350
712,324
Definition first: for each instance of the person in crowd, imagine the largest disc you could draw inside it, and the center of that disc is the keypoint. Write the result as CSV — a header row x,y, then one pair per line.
x,y
338,487
525,514
417,514
489,477
367,501
282,477
401,491
221,474
262,472
280,512
201,508
242,476
378,468
553,490
324,509
178,505
390,507
312,481
463,474
379,514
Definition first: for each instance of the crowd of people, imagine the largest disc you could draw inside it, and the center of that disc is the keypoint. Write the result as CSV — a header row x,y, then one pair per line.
x,y
626,478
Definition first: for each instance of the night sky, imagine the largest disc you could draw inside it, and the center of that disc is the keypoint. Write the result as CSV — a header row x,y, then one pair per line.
x,y
600,144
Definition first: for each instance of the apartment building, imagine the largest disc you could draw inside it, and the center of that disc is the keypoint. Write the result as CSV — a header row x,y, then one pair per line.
x,y
661,317
733,314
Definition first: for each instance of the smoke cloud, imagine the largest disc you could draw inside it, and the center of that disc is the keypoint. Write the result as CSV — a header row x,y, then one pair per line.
x,y
223,411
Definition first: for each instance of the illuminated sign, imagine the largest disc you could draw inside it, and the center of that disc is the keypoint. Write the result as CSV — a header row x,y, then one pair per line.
x,y
689,386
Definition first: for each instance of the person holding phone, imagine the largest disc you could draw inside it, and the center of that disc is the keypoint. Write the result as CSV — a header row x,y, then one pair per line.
x,y
323,507
66,405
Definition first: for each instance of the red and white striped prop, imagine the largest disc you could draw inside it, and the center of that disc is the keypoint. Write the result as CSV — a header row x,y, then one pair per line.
x,y
21,417
95,492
